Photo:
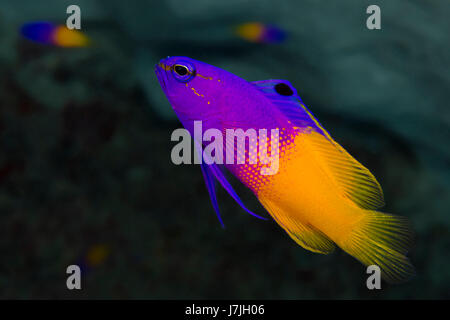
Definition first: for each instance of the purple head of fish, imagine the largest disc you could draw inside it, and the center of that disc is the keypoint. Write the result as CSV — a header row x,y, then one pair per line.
x,y
194,89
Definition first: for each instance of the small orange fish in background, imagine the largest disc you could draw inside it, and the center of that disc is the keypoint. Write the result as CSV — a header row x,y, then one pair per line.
x,y
97,254
57,35
94,257
258,32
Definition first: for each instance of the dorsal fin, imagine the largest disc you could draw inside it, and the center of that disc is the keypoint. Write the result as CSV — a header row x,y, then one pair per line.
x,y
351,178
284,96
354,180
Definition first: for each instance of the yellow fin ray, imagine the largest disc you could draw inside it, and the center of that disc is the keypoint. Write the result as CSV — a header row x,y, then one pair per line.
x,y
382,239
352,179
303,234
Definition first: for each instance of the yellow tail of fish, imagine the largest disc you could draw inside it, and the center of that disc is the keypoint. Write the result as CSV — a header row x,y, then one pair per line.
x,y
382,239
323,197
372,237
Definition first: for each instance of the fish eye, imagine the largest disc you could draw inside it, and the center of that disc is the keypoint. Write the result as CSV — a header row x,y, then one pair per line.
x,y
183,71
283,89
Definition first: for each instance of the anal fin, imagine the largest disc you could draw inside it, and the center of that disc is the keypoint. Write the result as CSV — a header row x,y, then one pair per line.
x,y
302,233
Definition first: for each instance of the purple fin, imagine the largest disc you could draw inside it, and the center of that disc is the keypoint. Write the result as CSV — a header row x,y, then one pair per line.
x,y
283,94
227,186
210,185
211,171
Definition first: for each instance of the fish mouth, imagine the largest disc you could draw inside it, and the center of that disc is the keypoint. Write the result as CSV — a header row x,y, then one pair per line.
x,y
160,71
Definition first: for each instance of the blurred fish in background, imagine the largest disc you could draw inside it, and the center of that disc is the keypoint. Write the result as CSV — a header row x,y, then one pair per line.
x,y
85,144
95,256
58,35
260,33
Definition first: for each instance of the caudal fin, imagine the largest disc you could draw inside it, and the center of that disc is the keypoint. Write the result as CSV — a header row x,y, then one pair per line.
x,y
382,239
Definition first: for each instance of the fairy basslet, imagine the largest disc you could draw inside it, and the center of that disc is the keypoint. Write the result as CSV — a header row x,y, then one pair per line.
x,y
260,33
57,35
320,195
